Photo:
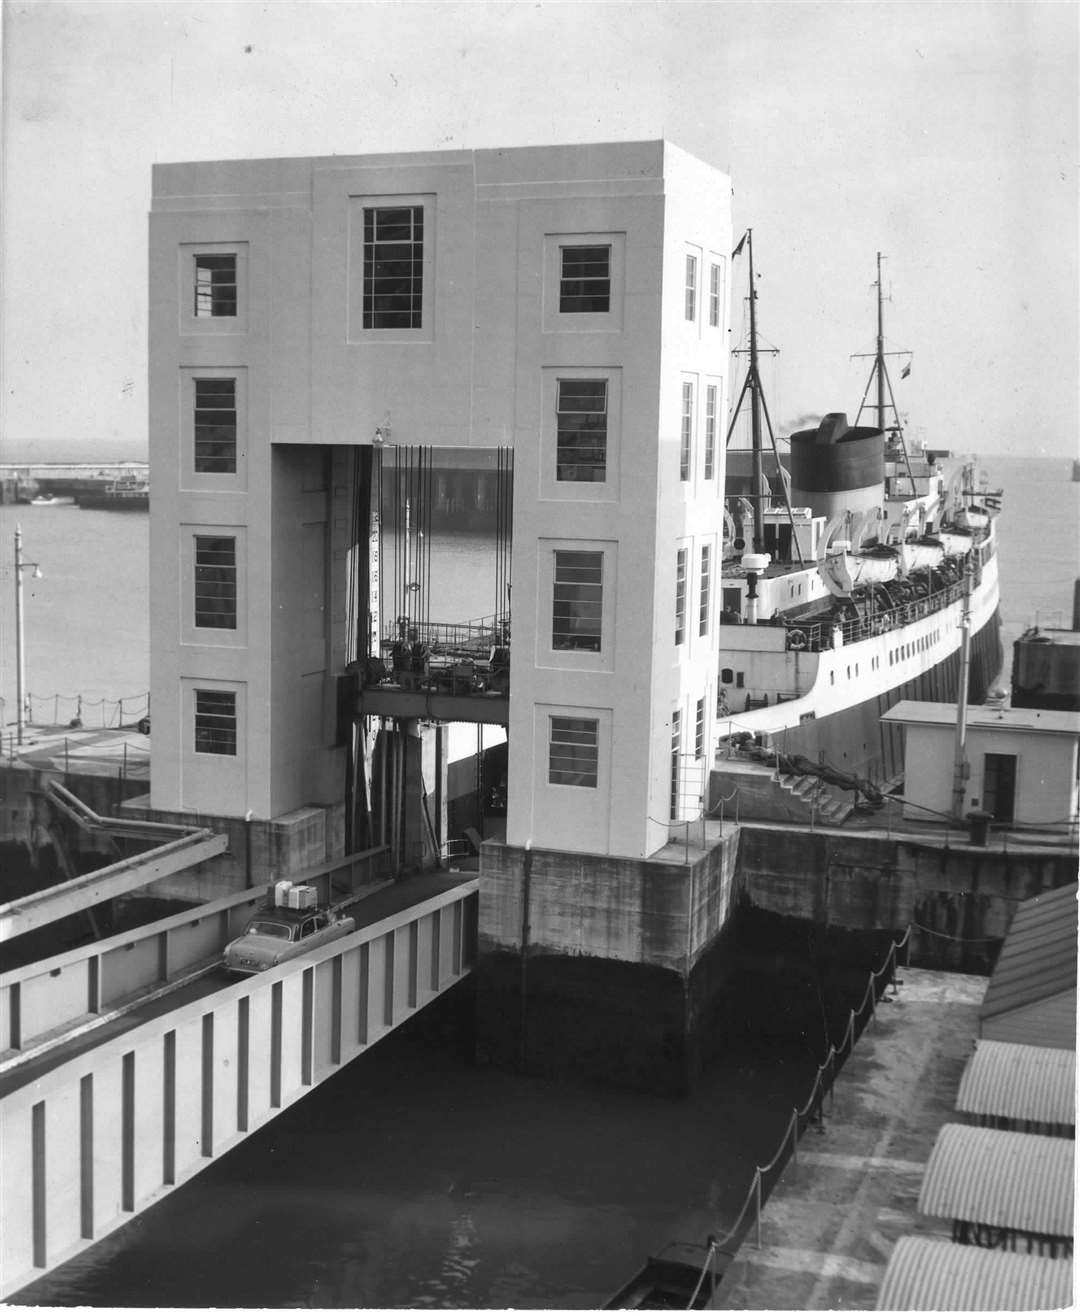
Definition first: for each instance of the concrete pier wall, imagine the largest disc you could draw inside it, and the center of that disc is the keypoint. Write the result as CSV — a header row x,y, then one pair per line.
x,y
635,972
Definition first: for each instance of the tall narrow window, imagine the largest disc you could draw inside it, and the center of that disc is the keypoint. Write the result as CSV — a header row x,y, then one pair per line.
x,y
691,287
215,286
680,595
573,751
393,266
710,430
715,288
686,433
215,583
706,587
577,609
581,448
699,730
585,280
215,426
215,721
676,751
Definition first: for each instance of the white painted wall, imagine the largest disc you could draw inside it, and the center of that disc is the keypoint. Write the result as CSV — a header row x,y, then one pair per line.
x,y
481,372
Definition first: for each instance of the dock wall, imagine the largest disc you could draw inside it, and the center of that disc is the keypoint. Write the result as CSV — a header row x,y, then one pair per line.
x,y
636,972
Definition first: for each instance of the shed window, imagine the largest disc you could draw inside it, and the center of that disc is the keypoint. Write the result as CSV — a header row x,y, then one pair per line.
x,y
578,599
393,267
215,426
215,583
581,446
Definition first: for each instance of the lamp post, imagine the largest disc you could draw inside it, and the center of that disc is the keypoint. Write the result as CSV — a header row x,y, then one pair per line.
x,y
20,659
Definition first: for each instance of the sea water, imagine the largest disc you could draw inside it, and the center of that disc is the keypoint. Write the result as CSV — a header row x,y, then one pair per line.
x,y
414,1178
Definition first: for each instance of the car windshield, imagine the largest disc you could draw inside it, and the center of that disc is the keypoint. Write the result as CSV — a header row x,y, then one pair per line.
x,y
278,930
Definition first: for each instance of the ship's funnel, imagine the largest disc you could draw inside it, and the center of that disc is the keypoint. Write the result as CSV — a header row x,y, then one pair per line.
x,y
837,468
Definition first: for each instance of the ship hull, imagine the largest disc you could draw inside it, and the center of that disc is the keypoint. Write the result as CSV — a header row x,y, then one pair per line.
x,y
854,739
849,687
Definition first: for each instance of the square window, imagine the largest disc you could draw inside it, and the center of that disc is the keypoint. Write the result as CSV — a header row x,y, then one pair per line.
x,y
686,432
680,595
215,722
710,430
585,280
577,608
581,442
215,583
215,426
215,286
691,287
573,751
393,267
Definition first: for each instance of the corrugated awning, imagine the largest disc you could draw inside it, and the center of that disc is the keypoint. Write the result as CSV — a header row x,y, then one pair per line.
x,y
928,1274
1038,958
1023,1082
1001,1179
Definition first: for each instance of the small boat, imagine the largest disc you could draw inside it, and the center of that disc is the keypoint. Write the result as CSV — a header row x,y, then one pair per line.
x,y
684,1275
49,499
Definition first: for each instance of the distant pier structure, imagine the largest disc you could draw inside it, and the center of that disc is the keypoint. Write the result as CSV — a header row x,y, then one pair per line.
x,y
333,341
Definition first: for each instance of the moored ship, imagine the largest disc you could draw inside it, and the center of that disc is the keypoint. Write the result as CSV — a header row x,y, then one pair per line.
x,y
125,494
861,575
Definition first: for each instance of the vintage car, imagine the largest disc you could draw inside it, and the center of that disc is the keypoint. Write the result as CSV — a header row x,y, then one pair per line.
x,y
276,934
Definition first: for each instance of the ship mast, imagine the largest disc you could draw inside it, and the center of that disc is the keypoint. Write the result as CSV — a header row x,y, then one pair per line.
x,y
752,386
879,375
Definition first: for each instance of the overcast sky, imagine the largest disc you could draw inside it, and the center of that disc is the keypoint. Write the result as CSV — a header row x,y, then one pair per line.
x,y
942,134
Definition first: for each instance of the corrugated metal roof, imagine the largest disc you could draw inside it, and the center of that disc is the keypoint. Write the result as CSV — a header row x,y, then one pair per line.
x,y
1001,1178
1038,958
927,1274
1024,1082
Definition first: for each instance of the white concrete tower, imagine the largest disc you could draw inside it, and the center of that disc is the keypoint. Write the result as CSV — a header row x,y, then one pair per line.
x,y
570,302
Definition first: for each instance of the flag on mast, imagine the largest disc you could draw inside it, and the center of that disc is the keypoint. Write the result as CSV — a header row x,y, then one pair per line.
x,y
906,370
742,243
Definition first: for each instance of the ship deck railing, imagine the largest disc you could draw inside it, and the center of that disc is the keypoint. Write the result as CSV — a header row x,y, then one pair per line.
x,y
819,636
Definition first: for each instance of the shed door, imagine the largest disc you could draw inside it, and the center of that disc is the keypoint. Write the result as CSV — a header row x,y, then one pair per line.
x,y
999,785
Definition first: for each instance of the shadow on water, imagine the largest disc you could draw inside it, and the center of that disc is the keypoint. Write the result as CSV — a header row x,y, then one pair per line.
x,y
416,1179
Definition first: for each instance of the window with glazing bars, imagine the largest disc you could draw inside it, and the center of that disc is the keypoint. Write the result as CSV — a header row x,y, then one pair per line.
x,y
676,751
573,751
687,432
215,426
578,601
215,583
585,280
706,587
699,730
393,266
581,446
715,287
691,287
710,430
680,595
215,286
215,722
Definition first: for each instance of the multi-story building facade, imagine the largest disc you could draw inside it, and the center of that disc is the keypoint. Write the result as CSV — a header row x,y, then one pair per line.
x,y
570,303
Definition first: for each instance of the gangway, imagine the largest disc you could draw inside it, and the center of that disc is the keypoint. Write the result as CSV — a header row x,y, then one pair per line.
x,y
93,1133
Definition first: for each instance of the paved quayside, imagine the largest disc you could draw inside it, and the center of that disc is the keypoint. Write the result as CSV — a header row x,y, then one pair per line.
x,y
830,1225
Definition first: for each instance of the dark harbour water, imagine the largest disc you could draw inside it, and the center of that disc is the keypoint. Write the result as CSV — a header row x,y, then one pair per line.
x,y
415,1178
